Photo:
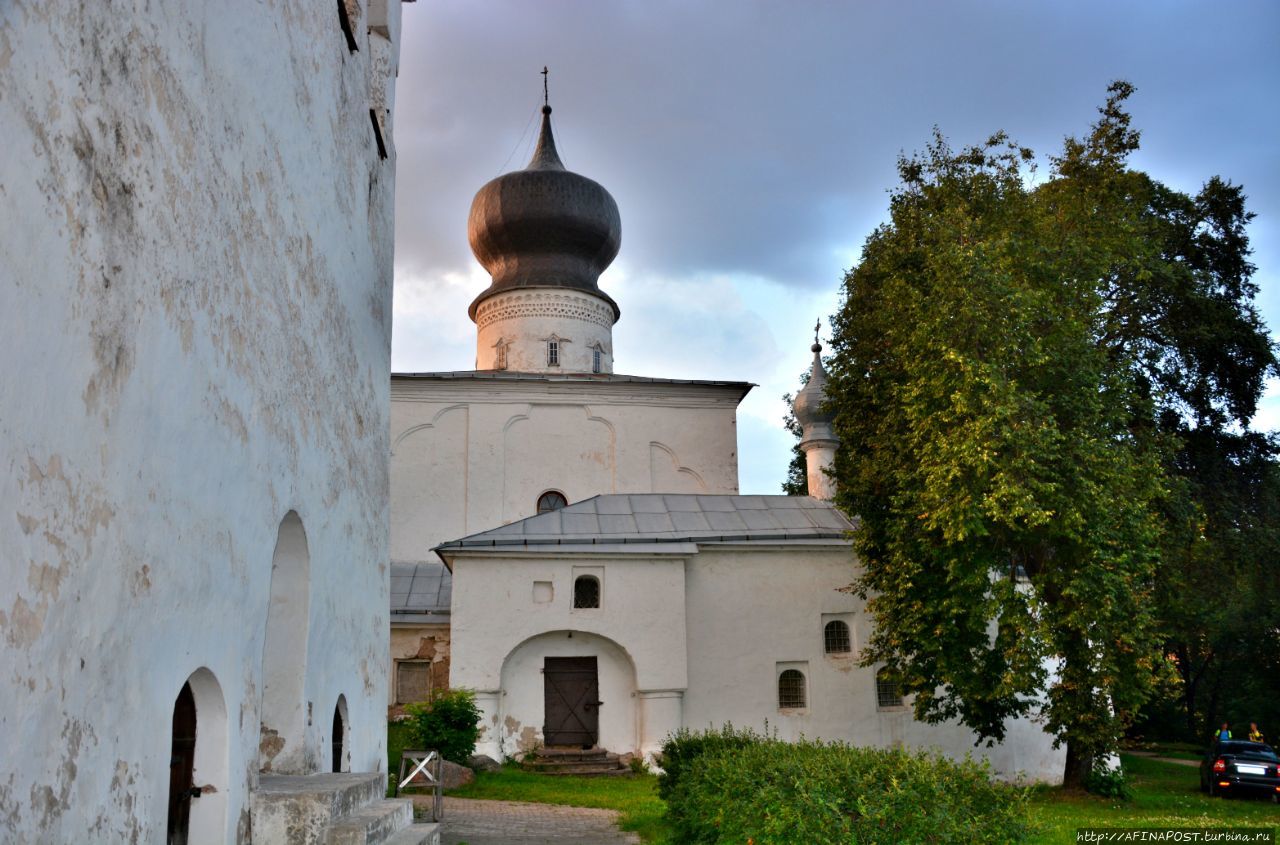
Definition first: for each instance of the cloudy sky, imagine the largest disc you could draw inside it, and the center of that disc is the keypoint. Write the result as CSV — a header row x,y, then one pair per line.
x,y
750,146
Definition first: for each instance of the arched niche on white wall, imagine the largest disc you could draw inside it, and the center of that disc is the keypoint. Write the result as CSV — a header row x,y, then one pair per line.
x,y
282,746
206,822
340,738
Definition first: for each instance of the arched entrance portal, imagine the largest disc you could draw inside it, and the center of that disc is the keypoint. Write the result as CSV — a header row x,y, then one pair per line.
x,y
198,763
282,746
568,687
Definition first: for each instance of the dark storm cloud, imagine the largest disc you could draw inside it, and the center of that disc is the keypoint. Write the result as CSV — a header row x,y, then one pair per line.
x,y
760,137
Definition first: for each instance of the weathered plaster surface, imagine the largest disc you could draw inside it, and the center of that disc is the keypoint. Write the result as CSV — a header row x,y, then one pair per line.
x,y
470,455
195,287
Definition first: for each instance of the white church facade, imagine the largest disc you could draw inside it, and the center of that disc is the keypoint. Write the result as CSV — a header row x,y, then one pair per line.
x,y
603,582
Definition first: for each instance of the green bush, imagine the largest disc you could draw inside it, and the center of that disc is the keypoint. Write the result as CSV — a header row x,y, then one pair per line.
x,y
685,746
1108,783
775,793
449,723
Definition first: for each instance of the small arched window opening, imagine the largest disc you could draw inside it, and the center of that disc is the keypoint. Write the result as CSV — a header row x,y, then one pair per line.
x,y
339,735
553,352
551,500
835,637
597,359
791,689
586,591
501,346
182,761
888,690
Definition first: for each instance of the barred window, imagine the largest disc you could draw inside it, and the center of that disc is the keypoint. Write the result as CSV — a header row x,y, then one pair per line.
x,y
835,638
551,501
888,690
586,591
791,689
553,353
596,355
502,355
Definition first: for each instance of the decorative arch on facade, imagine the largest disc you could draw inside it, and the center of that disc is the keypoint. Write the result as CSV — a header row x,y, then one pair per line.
x,y
283,717
667,475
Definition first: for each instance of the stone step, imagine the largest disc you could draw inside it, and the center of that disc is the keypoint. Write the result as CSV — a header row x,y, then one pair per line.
x,y
373,824
560,765
585,769
584,757
575,751
418,834
299,809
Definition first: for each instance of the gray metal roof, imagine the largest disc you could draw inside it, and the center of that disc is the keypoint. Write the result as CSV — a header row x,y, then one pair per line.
x,y
420,592
669,518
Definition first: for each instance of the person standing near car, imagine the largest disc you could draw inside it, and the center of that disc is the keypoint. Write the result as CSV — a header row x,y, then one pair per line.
x,y
1255,735
1224,733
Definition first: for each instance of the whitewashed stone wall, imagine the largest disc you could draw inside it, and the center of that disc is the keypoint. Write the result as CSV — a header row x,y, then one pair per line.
x,y
512,611
473,454
706,630
195,295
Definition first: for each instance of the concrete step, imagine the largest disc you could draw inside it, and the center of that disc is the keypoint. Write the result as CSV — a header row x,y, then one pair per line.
x,y
300,809
573,752
564,765
373,824
418,834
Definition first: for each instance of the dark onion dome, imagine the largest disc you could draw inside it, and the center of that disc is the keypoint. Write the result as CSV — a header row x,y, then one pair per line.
x,y
807,406
544,226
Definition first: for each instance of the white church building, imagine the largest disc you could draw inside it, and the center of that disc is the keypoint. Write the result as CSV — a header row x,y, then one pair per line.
x,y
606,584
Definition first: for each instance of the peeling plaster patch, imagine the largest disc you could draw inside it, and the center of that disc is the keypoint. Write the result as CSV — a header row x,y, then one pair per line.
x,y
529,740
24,625
27,523
45,580
142,580
269,747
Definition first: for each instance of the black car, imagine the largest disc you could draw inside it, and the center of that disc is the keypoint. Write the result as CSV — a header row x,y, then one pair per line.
x,y
1235,766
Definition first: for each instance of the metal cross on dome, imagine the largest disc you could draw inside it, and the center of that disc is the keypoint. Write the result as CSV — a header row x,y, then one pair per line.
x,y
546,97
817,325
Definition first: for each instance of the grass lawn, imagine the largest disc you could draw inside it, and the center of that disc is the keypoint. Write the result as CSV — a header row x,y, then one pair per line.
x,y
1165,795
634,796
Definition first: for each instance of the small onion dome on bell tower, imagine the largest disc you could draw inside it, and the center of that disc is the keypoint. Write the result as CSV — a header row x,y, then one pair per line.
x,y
807,406
544,227
818,440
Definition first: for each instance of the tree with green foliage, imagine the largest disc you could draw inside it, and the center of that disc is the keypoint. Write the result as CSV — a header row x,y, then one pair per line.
x,y
1015,364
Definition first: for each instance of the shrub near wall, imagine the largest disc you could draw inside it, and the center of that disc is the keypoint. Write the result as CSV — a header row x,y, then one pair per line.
x,y
774,793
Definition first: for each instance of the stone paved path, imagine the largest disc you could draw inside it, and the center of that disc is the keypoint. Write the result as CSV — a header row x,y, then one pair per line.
x,y
516,823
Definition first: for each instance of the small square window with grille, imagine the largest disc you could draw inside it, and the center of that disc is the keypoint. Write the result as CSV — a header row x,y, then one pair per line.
x,y
553,353
835,637
586,591
791,689
888,690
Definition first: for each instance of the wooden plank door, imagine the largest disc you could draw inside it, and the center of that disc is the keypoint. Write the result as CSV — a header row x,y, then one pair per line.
x,y
572,692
